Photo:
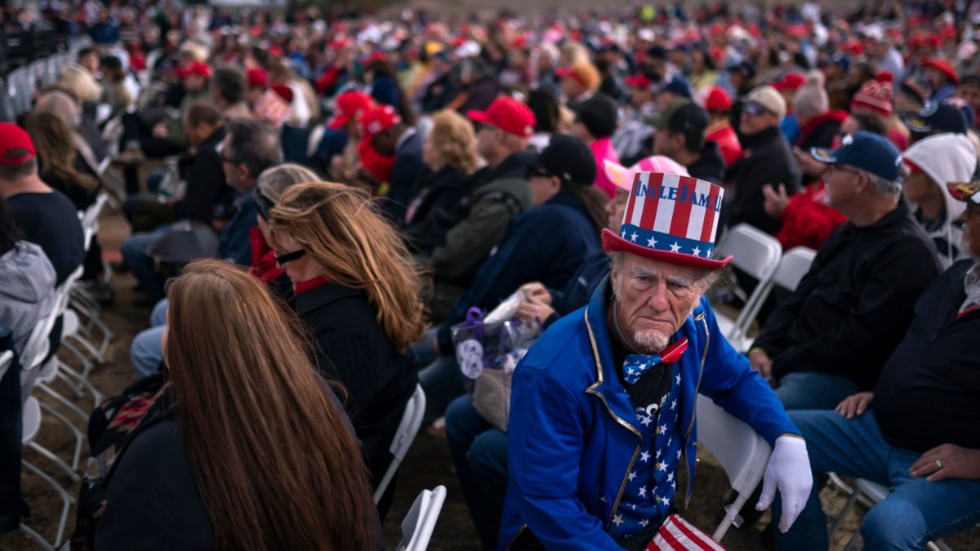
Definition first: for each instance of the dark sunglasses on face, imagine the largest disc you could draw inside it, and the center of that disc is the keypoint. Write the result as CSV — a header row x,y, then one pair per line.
x,y
284,258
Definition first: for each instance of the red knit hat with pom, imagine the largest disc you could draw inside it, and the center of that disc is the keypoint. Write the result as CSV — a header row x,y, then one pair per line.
x,y
875,95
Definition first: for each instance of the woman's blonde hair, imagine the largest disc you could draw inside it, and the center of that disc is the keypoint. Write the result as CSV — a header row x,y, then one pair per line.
x,y
273,181
275,462
80,83
453,138
340,228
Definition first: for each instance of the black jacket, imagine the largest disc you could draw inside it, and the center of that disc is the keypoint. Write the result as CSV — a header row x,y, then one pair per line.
x,y
404,175
709,167
530,249
929,389
152,500
207,194
767,160
853,306
352,347
433,211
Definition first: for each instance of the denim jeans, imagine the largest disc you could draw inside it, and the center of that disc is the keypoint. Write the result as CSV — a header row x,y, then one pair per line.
x,y
479,452
146,352
811,390
134,254
915,512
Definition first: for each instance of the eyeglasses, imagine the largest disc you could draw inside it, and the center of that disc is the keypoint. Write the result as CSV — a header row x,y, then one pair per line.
x,y
282,259
839,168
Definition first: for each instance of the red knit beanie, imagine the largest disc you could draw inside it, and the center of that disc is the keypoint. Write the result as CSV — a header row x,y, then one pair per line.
x,y
875,96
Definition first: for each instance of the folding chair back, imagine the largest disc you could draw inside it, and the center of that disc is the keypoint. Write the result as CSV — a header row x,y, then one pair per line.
x,y
404,436
743,455
792,267
421,520
757,254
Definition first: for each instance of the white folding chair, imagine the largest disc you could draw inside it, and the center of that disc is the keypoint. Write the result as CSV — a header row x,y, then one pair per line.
x,y
757,254
31,426
421,520
408,427
743,455
794,264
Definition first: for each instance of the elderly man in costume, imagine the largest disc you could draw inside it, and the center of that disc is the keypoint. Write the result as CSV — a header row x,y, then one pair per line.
x,y
603,405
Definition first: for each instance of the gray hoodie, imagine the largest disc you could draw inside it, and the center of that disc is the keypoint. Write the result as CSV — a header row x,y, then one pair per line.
x,y
26,290
946,158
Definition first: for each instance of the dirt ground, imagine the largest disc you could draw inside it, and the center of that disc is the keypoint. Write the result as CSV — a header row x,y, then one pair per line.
x,y
426,466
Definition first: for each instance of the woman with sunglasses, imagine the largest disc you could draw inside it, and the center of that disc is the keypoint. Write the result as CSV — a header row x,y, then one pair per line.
x,y
146,352
358,292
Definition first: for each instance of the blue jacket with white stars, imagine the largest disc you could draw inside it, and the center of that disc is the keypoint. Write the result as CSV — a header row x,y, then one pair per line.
x,y
574,437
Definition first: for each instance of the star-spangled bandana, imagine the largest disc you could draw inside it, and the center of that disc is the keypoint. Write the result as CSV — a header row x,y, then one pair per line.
x,y
638,364
651,485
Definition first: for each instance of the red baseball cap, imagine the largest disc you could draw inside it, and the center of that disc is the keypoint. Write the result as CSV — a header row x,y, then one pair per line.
x,y
638,80
194,68
377,119
257,78
14,137
790,81
718,99
507,114
943,67
283,91
347,106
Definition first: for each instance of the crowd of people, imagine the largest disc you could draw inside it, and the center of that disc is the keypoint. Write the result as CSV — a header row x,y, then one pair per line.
x,y
369,183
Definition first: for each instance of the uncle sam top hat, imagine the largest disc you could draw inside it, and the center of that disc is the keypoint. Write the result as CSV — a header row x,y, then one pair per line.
x,y
670,218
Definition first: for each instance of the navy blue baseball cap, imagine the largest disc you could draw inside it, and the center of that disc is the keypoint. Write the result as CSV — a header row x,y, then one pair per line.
x,y
937,118
679,86
865,151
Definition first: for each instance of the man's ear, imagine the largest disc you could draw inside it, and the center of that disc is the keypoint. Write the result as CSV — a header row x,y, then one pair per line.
x,y
244,174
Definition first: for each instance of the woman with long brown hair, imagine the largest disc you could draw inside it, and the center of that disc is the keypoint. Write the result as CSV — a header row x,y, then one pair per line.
x,y
255,452
358,291
59,163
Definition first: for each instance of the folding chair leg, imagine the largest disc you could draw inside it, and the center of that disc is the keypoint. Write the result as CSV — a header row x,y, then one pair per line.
x,y
38,539
853,541
63,401
732,517
851,500
90,348
67,499
56,460
79,382
79,435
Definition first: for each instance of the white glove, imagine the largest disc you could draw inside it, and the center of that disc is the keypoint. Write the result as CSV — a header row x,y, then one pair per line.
x,y
788,470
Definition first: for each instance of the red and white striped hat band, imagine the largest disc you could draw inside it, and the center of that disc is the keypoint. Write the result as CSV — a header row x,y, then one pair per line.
x,y
672,218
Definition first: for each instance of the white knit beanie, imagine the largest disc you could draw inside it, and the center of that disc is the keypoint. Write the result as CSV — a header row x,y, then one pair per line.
x,y
811,99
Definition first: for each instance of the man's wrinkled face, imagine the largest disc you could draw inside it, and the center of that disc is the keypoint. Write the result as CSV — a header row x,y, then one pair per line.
x,y
653,299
